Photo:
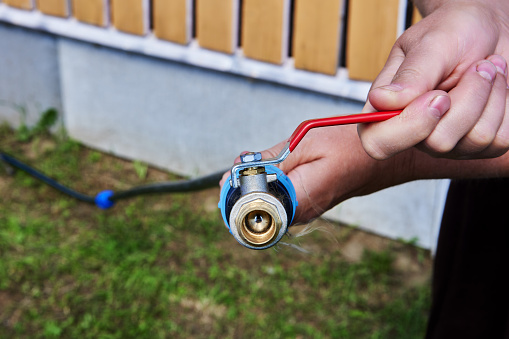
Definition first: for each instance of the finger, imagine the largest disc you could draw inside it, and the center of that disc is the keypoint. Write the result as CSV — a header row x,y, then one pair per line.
x,y
500,144
416,122
414,76
483,134
469,99
224,178
396,57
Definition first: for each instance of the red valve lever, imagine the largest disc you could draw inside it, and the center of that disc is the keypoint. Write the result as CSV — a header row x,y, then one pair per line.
x,y
305,126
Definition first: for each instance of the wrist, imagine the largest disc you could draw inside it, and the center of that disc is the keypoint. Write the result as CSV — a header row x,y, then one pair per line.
x,y
398,169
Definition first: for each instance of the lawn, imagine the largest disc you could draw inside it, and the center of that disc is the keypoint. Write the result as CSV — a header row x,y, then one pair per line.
x,y
164,266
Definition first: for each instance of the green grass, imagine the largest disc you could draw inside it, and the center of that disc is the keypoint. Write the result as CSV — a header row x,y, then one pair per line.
x,y
165,267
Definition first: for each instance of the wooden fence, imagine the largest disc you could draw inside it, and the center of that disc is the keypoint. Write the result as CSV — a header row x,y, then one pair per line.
x,y
319,36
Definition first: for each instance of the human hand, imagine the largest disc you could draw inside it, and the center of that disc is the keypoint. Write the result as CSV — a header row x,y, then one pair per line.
x,y
329,165
429,77
438,55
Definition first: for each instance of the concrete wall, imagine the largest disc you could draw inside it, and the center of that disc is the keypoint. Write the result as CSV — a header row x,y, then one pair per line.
x,y
192,120
187,119
29,74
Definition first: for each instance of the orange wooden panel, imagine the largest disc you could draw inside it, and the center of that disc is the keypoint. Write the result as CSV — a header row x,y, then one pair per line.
x,y
371,33
216,22
23,4
263,29
129,15
90,11
416,16
316,35
170,18
53,7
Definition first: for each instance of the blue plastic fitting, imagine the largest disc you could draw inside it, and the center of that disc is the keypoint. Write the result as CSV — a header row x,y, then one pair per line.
x,y
102,199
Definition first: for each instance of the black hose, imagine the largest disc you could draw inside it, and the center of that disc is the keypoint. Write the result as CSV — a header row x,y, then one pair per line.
x,y
47,180
197,184
172,186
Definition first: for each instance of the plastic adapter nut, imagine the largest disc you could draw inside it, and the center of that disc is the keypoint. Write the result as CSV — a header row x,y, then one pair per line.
x,y
102,199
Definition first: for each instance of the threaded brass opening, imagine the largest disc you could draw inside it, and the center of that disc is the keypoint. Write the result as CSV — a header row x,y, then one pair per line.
x,y
258,227
258,222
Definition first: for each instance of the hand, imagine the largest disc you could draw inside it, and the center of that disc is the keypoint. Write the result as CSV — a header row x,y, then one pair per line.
x,y
452,96
455,104
329,165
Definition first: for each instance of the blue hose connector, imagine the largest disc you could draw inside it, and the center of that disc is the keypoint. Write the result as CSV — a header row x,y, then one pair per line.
x,y
102,199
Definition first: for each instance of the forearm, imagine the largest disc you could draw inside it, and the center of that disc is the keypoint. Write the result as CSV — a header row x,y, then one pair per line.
x,y
414,165
427,167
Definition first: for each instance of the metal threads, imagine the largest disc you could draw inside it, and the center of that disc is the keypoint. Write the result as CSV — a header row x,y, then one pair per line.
x,y
258,222
257,219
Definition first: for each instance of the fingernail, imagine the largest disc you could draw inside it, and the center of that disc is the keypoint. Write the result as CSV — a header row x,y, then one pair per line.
x,y
500,63
487,70
439,105
391,87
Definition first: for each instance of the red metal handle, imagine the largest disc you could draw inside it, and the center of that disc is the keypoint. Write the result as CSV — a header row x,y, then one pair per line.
x,y
305,126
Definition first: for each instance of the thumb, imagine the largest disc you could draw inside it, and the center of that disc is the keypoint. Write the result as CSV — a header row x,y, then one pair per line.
x,y
423,59
413,125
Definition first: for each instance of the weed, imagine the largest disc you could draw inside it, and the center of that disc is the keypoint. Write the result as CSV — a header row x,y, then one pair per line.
x,y
47,120
94,157
140,168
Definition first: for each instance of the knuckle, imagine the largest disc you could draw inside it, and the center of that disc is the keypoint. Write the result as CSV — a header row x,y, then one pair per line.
x,y
501,141
441,141
422,133
439,145
373,149
435,38
481,136
407,74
